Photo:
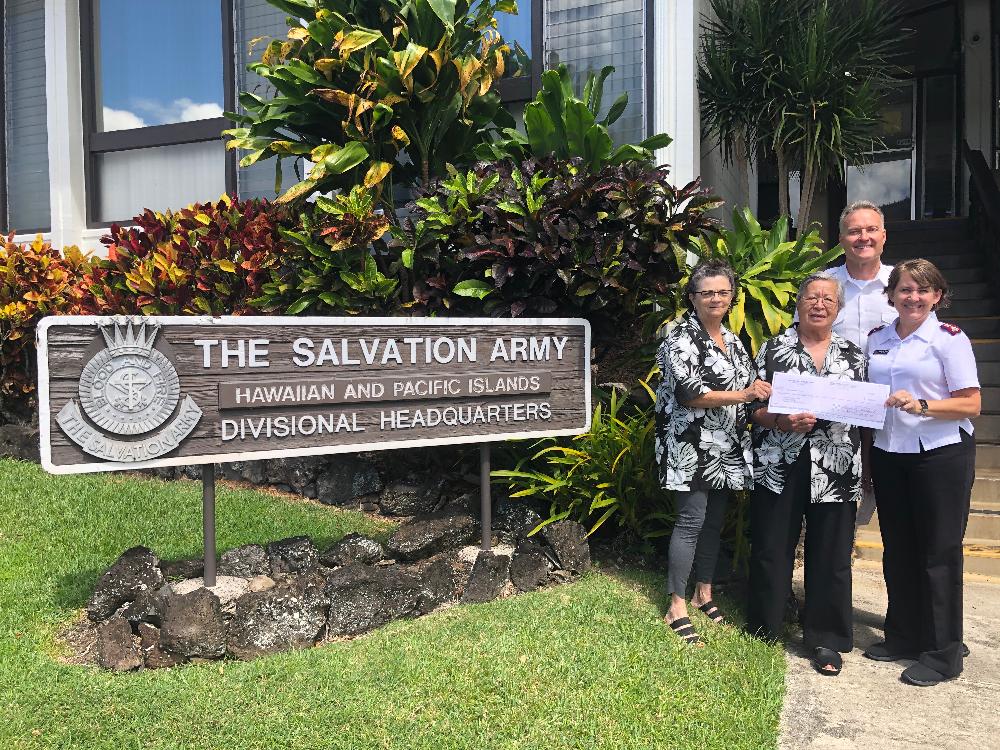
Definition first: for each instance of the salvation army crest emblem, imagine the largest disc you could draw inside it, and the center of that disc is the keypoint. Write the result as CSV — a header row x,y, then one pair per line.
x,y
129,389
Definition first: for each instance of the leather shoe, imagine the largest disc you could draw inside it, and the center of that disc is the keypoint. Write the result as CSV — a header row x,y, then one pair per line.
x,y
879,652
922,675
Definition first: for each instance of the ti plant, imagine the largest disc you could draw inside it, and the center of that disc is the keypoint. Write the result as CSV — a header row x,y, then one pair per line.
x,y
769,268
375,90
558,123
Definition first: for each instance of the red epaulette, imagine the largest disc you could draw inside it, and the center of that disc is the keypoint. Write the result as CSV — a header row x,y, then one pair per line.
x,y
951,328
877,328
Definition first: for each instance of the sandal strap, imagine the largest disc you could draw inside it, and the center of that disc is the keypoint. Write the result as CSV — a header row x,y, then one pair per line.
x,y
685,630
712,612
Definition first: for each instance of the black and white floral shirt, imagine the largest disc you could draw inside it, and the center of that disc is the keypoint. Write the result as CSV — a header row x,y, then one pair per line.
x,y
702,448
835,448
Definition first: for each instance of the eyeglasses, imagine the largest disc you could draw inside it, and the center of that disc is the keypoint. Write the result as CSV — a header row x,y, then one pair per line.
x,y
720,293
827,301
856,231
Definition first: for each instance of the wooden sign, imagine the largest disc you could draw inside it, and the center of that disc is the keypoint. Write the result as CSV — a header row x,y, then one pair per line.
x,y
137,392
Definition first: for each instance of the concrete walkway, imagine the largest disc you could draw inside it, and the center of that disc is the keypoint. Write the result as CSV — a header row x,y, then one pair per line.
x,y
868,706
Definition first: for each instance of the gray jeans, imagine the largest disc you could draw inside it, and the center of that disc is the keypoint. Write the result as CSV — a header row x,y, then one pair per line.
x,y
695,538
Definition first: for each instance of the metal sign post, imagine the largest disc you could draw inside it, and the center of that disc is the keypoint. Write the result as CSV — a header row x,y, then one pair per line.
x,y
485,503
208,521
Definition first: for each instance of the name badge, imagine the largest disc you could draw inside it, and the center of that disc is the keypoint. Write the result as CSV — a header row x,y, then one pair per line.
x,y
880,351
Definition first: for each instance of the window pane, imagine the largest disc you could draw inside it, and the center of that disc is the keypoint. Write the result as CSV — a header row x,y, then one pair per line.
x,y
156,62
25,130
589,34
158,178
257,20
516,32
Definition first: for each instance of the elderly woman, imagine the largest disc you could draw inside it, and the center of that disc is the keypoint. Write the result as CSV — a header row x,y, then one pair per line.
x,y
807,468
702,444
923,465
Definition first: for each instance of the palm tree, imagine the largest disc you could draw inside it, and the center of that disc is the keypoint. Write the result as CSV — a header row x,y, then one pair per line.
x,y
803,78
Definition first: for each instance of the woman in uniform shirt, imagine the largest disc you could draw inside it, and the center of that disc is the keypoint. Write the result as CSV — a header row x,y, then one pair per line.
x,y
702,443
808,468
923,466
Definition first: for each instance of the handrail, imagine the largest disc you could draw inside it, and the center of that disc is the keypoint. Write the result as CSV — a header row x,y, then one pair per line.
x,y
984,206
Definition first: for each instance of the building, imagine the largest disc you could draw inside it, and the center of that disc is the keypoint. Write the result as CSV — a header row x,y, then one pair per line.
x,y
110,106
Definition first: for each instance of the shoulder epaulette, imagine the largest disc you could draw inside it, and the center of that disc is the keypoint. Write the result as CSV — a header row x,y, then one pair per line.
x,y
877,328
951,328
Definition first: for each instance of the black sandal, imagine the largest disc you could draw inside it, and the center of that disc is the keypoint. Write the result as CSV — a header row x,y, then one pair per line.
x,y
712,612
825,658
685,631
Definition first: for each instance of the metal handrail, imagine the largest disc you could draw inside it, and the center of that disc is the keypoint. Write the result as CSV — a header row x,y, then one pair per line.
x,y
984,206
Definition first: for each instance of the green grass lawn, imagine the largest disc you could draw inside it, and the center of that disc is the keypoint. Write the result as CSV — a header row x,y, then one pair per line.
x,y
587,665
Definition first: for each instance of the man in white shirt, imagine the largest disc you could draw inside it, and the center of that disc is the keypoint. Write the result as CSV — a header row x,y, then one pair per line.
x,y
863,275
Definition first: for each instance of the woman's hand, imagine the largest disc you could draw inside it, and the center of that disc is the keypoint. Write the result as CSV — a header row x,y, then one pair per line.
x,y
759,390
801,422
904,401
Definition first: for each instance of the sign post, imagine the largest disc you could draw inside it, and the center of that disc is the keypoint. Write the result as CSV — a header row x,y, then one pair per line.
x,y
119,393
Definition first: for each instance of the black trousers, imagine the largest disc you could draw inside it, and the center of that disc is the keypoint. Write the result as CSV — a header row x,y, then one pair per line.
x,y
923,509
775,525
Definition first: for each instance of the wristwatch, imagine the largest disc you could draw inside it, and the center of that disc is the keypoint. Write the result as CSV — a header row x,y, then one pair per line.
x,y
923,406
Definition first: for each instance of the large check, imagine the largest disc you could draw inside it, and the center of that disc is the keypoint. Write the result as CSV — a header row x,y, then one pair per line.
x,y
846,401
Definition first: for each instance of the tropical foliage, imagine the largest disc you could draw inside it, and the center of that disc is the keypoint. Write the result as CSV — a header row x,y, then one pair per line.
x,y
370,90
804,79
206,259
769,268
558,123
36,280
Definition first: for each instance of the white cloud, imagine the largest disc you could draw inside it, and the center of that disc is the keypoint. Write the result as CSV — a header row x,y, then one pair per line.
x,y
121,119
194,111
882,183
179,110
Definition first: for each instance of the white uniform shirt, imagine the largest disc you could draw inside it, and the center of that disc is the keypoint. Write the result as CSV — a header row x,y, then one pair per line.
x,y
930,363
865,304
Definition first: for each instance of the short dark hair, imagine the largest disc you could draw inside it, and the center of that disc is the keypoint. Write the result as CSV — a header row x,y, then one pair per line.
x,y
924,273
706,269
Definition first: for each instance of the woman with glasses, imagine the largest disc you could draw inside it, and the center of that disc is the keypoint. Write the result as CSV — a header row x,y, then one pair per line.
x,y
702,443
923,465
806,468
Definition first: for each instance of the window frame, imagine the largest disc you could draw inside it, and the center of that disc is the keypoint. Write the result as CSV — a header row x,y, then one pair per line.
x,y
96,143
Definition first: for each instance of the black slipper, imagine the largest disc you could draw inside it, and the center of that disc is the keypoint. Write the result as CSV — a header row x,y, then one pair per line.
x,y
922,676
823,658
685,631
712,612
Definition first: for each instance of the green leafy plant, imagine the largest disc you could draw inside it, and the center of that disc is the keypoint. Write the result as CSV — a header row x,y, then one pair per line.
x,y
207,259
370,89
769,268
558,123
550,237
332,261
35,280
608,472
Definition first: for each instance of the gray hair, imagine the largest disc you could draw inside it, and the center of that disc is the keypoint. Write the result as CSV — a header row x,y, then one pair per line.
x,y
858,206
822,276
707,269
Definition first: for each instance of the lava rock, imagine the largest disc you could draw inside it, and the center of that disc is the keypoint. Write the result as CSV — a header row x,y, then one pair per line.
x,y
117,649
568,541
19,441
529,568
136,571
260,583
363,598
178,570
513,520
289,615
489,576
144,608
246,561
192,625
297,473
353,548
345,479
295,554
408,498
154,656
227,590
442,580
432,533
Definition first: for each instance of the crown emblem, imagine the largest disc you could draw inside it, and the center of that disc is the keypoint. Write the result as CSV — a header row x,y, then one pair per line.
x,y
130,338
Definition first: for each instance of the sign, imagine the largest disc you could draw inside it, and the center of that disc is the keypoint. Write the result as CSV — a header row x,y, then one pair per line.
x,y
137,392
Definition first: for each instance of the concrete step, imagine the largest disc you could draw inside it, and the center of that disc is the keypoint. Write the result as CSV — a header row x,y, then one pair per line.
x,y
975,327
983,525
931,250
986,490
974,307
988,427
991,399
971,290
948,262
962,275
986,350
989,373
982,556
987,457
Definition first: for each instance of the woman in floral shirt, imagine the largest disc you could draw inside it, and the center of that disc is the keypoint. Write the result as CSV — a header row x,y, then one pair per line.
x,y
805,467
702,443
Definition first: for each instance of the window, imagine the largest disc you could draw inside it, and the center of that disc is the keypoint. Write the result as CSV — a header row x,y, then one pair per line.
x,y
24,154
523,34
155,90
